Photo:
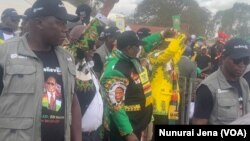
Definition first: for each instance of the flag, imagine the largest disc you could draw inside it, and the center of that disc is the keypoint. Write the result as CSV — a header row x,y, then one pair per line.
x,y
176,22
120,23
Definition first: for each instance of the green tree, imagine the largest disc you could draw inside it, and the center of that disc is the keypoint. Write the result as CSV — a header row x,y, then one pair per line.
x,y
234,21
160,12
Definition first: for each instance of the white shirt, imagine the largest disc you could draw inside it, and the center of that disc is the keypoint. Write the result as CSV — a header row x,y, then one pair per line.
x,y
92,119
7,36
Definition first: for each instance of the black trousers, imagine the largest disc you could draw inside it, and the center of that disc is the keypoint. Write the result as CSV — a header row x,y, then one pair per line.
x,y
91,136
159,120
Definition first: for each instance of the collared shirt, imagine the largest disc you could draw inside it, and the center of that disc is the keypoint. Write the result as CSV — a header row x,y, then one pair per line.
x,y
7,36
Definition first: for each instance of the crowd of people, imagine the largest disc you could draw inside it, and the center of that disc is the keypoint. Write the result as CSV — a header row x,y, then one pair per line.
x,y
72,78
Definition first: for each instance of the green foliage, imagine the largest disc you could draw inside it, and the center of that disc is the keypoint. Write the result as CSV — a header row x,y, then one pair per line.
x,y
235,21
160,12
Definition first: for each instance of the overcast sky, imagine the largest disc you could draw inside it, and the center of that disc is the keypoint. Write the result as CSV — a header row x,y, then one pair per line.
x,y
127,7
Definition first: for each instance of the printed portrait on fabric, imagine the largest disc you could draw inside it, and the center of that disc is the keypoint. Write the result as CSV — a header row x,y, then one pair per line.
x,y
117,93
52,97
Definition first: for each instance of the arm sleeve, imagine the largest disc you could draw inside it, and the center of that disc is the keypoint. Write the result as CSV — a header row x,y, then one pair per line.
x,y
3,52
117,111
169,52
247,77
203,102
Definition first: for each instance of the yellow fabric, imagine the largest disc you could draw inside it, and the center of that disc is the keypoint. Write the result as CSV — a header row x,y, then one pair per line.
x,y
194,57
161,78
1,41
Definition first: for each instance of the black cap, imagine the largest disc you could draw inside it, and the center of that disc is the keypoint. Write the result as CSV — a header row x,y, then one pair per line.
x,y
10,12
53,8
236,48
27,13
110,32
84,10
128,38
143,32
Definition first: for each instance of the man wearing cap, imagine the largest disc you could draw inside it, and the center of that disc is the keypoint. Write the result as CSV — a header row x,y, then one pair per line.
x,y
224,95
126,120
9,25
83,11
28,61
109,36
25,21
89,92
143,32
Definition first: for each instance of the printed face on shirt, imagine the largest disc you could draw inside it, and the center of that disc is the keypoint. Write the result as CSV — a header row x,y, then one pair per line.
x,y
52,97
117,93
51,84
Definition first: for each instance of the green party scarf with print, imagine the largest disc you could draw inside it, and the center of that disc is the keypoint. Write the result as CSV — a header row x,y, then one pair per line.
x,y
110,76
143,75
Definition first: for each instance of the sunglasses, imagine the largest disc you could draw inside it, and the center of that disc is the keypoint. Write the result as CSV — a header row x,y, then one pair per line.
x,y
245,60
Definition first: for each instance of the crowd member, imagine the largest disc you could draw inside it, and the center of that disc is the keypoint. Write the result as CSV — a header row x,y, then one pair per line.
x,y
196,46
163,61
246,75
223,96
87,87
143,32
127,120
187,70
153,42
27,62
217,49
76,28
89,91
83,12
10,20
25,21
99,42
203,61
101,17
109,37
79,35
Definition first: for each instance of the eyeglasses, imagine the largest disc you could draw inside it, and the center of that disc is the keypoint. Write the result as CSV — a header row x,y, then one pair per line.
x,y
245,60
